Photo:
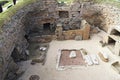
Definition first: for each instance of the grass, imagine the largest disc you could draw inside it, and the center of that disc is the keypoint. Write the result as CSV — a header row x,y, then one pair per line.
x,y
10,2
112,2
67,1
6,15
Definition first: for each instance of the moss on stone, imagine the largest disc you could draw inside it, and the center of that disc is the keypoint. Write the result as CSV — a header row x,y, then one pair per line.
x,y
6,16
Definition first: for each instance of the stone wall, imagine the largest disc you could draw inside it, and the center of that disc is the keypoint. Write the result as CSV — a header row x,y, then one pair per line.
x,y
78,34
73,21
84,34
13,37
103,16
111,16
34,15
45,13
69,16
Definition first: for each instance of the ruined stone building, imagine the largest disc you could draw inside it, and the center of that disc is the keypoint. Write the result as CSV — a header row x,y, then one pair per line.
x,y
55,21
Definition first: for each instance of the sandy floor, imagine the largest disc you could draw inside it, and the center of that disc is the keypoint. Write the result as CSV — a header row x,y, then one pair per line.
x,y
103,71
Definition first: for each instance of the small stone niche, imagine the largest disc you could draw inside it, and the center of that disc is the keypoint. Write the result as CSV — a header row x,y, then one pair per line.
x,y
111,41
63,14
114,40
111,44
115,32
15,55
46,26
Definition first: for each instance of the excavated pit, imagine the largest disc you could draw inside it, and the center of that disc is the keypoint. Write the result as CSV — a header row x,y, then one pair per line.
x,y
40,23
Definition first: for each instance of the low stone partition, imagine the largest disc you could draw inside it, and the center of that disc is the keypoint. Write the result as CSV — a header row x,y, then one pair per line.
x,y
78,34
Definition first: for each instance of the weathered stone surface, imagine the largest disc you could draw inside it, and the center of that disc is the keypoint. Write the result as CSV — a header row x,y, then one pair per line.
x,y
86,31
95,30
78,38
34,77
40,60
32,18
102,16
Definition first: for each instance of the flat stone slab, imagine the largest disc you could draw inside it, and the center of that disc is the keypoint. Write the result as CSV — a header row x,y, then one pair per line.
x,y
65,60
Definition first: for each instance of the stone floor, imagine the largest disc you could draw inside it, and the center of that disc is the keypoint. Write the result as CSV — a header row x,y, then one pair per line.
x,y
103,71
65,60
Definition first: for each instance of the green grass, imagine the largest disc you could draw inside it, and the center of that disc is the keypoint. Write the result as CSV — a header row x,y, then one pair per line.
x,y
112,2
67,1
6,16
10,2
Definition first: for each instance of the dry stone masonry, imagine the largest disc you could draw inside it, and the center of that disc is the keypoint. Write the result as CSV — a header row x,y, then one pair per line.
x,y
48,18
